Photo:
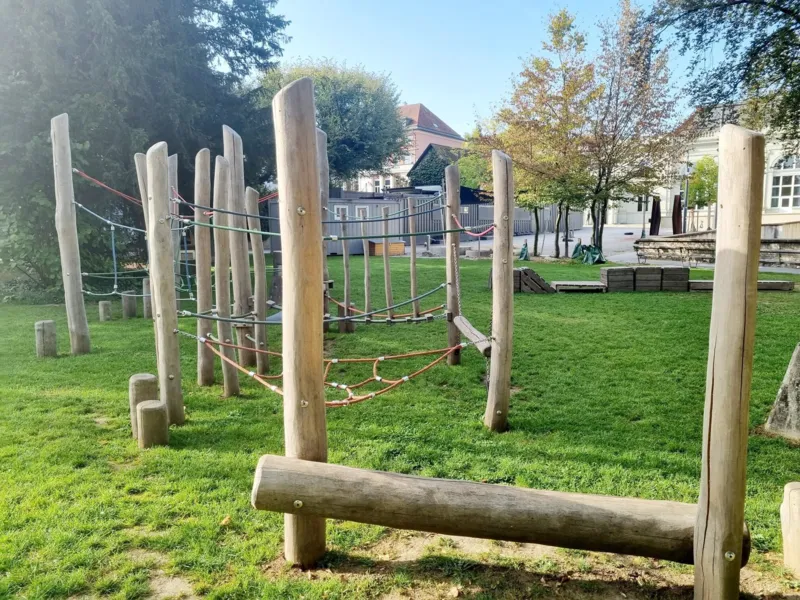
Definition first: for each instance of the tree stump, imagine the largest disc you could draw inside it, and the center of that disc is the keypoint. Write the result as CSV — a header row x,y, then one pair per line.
x,y
153,424
128,305
45,339
104,308
784,419
142,387
790,526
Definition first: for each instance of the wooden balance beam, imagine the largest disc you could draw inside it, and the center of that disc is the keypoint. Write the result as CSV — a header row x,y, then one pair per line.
x,y
652,528
482,344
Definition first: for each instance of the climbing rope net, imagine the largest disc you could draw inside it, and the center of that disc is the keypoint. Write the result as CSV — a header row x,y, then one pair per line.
x,y
355,392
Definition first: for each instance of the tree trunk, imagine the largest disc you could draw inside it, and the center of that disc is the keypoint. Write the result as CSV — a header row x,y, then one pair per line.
x,y
566,232
556,229
784,419
601,224
593,212
536,232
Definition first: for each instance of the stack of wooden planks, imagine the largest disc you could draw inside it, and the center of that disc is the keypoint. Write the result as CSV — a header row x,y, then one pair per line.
x,y
647,279
675,279
617,279
528,281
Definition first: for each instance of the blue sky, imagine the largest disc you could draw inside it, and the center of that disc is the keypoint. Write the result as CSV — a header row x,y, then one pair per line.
x,y
455,56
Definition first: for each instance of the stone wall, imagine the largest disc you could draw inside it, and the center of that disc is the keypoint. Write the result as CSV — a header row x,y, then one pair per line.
x,y
700,247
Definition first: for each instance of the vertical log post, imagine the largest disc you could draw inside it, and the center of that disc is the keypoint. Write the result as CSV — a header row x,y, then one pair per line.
x,y
129,304
152,420
412,230
202,250
162,279
67,230
324,193
240,258
46,343
260,291
496,415
140,160
346,326
304,395
387,273
452,253
222,277
362,215
720,511
104,308
147,307
174,210
142,387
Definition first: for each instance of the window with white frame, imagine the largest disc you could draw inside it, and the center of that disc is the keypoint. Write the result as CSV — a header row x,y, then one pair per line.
x,y
376,185
785,188
387,183
339,210
362,211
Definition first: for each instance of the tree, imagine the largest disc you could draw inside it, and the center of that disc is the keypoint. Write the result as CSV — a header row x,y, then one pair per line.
x,y
544,123
129,74
634,138
475,171
357,109
703,182
760,44
429,168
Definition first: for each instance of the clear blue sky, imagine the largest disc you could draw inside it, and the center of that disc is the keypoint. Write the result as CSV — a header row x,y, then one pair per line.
x,y
457,57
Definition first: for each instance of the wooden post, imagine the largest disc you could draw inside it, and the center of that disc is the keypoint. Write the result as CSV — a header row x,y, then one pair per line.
x,y
452,253
387,273
324,193
104,308
240,258
717,540
46,342
412,230
346,326
67,230
140,160
152,418
222,277
304,394
162,279
496,415
202,250
654,528
142,387
174,210
147,307
129,305
260,292
362,214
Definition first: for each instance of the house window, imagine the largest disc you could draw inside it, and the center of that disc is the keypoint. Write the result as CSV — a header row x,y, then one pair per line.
x,y
376,185
362,212
339,210
785,188
387,184
639,204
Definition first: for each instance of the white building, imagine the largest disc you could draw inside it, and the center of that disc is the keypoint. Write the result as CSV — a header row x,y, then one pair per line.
x,y
781,189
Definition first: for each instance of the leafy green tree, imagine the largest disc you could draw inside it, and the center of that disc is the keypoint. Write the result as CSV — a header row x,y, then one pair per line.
x,y
357,109
703,182
760,45
129,74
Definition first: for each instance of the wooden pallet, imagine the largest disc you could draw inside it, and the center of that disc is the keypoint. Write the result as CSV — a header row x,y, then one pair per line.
x,y
764,285
528,281
595,287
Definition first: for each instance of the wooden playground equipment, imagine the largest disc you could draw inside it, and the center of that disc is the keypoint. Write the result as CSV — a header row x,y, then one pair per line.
x,y
710,534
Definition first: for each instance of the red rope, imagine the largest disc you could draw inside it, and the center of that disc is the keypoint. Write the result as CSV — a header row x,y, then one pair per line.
x,y
481,234
268,197
107,187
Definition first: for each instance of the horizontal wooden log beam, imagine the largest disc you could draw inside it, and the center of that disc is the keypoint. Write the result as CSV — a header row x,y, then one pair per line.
x,y
482,344
651,528
764,285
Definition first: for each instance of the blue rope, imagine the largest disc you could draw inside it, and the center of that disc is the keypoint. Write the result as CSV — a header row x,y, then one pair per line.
x,y
114,256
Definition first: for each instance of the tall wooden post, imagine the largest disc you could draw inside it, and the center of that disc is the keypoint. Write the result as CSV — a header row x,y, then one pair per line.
x,y
304,395
324,193
202,249
260,292
240,258
174,210
362,214
452,252
720,511
412,229
140,160
387,272
222,276
67,230
496,415
162,281
346,326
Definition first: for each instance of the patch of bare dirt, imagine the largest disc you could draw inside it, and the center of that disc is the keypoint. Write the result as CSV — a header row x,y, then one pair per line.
x,y
162,585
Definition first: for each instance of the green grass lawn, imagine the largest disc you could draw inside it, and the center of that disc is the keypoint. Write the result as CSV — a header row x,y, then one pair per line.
x,y
607,398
